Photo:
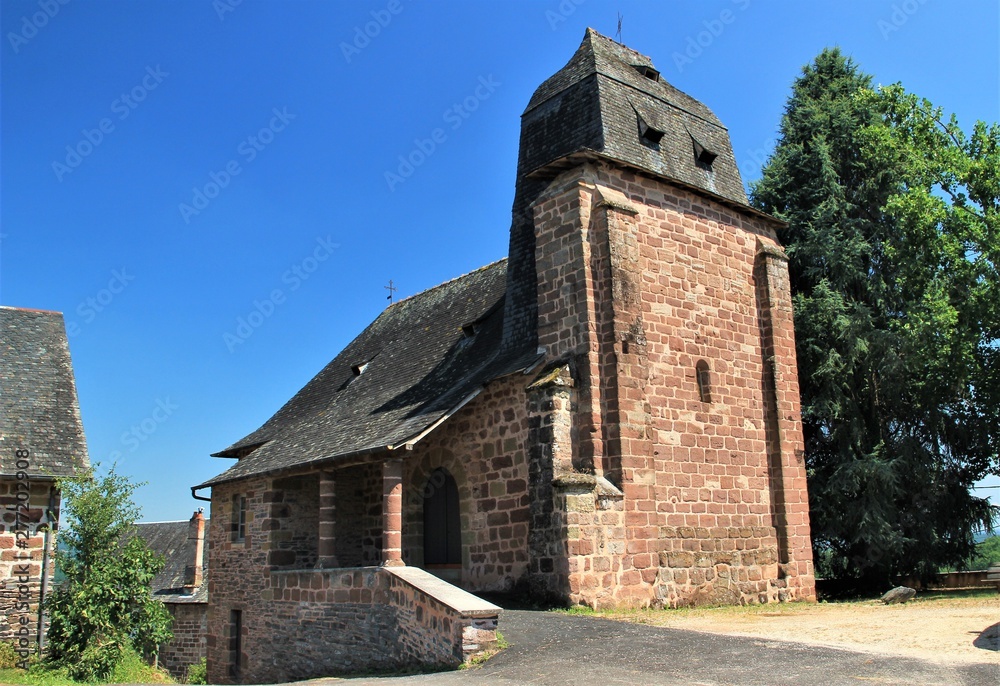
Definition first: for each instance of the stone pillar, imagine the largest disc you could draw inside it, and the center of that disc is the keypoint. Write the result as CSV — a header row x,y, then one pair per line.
x,y
327,518
788,473
392,512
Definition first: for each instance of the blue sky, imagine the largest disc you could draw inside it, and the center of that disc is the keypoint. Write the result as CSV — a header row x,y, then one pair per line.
x,y
201,187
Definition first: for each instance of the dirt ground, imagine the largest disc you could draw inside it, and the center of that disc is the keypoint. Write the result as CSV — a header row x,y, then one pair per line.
x,y
947,628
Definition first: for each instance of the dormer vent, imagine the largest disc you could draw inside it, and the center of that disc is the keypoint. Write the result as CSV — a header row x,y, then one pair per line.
x,y
703,157
648,132
648,72
470,330
651,129
359,369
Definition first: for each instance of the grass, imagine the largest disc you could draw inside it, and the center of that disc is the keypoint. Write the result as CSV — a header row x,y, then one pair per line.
x,y
132,670
481,659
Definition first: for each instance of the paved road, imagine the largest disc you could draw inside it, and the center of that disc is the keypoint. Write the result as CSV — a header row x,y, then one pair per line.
x,y
553,649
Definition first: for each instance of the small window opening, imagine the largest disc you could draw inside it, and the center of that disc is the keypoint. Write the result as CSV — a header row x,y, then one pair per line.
x,y
239,518
649,133
704,377
703,157
648,72
470,330
359,369
235,641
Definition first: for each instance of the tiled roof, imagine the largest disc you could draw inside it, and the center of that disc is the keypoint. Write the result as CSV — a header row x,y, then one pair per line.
x,y
39,410
418,365
171,540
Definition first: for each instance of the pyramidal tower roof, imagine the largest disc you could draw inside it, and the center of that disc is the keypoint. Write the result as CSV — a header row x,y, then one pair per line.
x,y
610,99
609,102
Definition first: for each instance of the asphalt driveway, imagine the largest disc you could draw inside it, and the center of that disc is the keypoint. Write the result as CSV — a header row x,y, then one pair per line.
x,y
549,648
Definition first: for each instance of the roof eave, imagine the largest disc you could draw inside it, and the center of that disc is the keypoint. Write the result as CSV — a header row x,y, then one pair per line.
x,y
554,167
216,481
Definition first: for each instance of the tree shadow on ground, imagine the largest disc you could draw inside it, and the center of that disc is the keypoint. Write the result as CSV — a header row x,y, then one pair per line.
x,y
989,639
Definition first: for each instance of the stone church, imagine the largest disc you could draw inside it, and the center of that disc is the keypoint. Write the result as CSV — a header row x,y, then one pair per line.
x,y
609,416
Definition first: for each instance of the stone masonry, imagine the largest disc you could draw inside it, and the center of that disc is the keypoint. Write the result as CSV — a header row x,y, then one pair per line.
x,y
640,283
187,647
483,447
28,507
298,621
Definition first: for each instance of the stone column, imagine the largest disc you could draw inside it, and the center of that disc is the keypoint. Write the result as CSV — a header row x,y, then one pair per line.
x,y
327,518
392,512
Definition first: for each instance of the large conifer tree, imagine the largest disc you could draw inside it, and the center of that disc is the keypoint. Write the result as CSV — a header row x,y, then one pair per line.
x,y
894,361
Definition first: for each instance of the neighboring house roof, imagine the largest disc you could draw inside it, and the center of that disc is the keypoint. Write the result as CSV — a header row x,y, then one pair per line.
x,y
412,367
171,540
39,409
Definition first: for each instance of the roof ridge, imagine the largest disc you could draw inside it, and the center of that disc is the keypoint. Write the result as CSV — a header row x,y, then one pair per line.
x,y
28,309
600,35
169,521
445,283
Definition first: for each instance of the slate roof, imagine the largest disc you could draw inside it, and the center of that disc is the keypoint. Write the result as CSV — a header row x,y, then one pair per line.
x,y
419,365
170,539
39,409
604,88
593,107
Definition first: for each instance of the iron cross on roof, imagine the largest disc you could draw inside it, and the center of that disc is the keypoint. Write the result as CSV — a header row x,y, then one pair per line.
x,y
392,289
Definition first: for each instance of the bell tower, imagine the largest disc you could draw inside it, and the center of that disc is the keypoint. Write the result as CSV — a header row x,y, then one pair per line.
x,y
660,298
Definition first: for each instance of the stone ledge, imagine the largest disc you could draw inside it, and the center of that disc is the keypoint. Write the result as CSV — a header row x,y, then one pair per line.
x,y
771,250
575,481
462,602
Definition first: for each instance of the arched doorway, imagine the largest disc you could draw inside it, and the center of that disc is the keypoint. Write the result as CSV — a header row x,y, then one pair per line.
x,y
442,526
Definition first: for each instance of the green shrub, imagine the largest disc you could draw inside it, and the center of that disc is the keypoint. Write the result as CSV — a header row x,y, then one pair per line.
x,y
987,554
104,609
198,673
8,656
131,668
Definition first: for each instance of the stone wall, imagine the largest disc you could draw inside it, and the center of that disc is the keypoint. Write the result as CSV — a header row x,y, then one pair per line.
x,y
297,624
358,515
483,446
641,285
189,643
24,504
238,574
294,516
328,622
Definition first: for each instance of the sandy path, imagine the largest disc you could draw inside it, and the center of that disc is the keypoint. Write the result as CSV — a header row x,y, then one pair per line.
x,y
942,630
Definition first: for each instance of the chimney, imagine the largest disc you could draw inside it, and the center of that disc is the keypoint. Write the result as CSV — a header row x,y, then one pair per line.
x,y
196,534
